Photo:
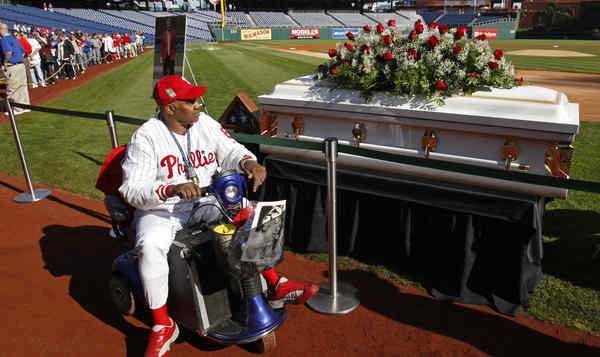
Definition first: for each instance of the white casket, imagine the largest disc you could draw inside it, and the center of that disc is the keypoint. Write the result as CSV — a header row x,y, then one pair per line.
x,y
528,129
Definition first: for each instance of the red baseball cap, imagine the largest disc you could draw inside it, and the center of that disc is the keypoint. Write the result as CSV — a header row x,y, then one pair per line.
x,y
172,88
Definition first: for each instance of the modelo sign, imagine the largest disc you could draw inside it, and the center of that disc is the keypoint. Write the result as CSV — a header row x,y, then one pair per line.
x,y
488,33
341,33
256,34
304,33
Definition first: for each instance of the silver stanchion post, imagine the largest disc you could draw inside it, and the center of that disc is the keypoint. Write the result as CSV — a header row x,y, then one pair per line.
x,y
112,131
111,128
33,195
333,297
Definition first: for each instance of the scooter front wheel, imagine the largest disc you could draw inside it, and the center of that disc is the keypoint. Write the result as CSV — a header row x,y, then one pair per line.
x,y
267,343
121,294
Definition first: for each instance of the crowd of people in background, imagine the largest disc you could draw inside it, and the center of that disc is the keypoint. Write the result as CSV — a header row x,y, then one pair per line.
x,y
52,54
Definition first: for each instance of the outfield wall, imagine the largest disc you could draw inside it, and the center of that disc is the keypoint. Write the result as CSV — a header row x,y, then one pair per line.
x,y
502,30
499,30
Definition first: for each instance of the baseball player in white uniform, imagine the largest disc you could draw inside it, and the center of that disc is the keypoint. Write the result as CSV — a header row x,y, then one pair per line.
x,y
168,159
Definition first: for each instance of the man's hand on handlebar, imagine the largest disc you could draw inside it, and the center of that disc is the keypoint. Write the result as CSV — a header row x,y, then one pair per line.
x,y
255,171
186,191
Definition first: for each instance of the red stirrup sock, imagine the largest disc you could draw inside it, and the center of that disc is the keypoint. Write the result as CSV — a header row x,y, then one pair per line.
x,y
271,276
161,316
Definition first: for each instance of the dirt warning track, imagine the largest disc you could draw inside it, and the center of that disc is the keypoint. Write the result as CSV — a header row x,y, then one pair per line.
x,y
56,261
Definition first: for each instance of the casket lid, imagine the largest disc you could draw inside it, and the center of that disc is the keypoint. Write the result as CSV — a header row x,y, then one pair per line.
x,y
525,107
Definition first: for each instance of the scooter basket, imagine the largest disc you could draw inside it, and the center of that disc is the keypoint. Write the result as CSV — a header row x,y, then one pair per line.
x,y
258,245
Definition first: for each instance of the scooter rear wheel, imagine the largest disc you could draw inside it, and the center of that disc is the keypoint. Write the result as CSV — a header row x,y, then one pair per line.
x,y
267,343
121,294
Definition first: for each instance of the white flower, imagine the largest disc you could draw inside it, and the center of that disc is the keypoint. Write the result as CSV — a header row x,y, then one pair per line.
x,y
435,63
486,74
444,68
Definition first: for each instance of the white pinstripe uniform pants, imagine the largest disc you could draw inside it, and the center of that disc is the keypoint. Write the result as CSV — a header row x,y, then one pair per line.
x,y
155,233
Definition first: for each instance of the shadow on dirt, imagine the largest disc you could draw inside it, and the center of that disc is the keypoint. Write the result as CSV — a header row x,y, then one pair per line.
x,y
86,254
490,333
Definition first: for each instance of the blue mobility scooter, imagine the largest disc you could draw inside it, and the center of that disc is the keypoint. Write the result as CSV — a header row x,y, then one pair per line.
x,y
212,290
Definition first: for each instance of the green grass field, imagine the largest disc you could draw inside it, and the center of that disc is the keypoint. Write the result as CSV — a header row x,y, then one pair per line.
x,y
66,152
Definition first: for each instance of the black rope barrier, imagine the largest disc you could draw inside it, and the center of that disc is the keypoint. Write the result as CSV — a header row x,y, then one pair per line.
x,y
515,176
72,113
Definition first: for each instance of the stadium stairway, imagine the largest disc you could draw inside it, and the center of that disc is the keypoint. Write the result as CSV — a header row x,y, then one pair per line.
x,y
39,17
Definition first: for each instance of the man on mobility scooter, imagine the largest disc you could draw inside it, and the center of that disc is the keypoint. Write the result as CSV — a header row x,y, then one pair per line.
x,y
167,161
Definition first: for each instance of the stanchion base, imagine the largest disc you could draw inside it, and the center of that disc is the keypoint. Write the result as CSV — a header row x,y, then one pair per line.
x,y
26,197
345,301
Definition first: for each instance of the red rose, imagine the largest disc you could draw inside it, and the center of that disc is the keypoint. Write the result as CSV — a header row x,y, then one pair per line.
x,y
498,55
481,37
367,28
350,35
412,53
332,53
419,27
441,86
349,46
412,35
433,41
346,64
380,28
492,65
388,56
335,70
366,48
392,23
472,75
443,28
387,39
457,49
519,80
432,25
460,32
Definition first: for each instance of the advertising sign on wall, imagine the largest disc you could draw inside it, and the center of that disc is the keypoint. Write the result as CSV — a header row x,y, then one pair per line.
x,y
341,33
487,33
256,34
304,33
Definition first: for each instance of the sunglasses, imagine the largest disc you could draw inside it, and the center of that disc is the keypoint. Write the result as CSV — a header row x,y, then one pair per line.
x,y
191,101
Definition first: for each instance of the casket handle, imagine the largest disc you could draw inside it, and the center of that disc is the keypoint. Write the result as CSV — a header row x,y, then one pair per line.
x,y
558,159
268,124
510,153
359,133
298,127
429,142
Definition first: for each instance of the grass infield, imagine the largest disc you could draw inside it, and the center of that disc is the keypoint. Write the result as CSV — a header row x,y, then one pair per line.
x,y
66,152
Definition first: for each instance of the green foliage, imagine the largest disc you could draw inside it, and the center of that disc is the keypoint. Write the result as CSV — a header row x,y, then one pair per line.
x,y
554,18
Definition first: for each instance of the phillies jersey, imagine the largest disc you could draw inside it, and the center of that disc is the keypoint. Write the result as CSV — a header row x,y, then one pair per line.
x,y
153,161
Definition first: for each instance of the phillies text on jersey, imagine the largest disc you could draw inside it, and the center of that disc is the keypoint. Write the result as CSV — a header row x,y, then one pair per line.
x,y
153,161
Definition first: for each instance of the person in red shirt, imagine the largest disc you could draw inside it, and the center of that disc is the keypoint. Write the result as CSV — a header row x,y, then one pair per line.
x,y
168,49
27,47
117,44
127,45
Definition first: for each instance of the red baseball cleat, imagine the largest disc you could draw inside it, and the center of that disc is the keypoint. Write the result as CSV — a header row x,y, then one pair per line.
x,y
290,292
161,339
